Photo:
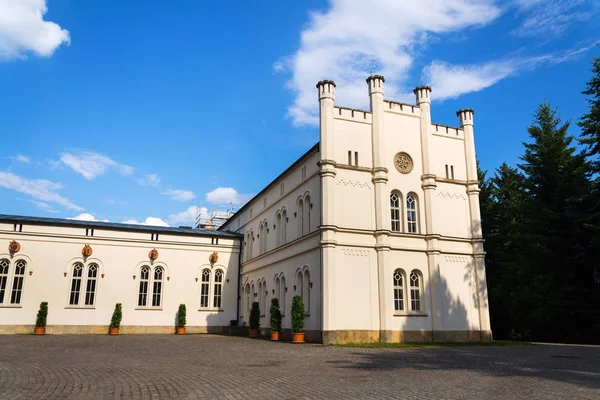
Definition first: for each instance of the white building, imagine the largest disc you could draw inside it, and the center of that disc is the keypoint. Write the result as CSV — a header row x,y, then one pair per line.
x,y
377,227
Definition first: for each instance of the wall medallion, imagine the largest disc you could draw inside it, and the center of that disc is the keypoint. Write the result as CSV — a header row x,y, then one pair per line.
x,y
14,247
87,250
403,162
153,254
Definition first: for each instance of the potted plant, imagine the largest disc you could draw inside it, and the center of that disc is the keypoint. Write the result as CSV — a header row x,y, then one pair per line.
x,y
275,319
181,320
297,320
115,321
254,320
40,321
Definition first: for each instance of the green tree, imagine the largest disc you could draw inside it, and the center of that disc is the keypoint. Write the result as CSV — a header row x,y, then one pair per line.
x,y
552,260
590,122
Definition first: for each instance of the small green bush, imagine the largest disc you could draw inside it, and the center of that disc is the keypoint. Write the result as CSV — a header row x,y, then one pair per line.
x,y
181,316
275,315
297,314
115,321
255,316
42,315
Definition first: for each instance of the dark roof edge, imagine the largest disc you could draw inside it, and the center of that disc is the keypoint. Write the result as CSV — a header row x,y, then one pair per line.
x,y
288,169
12,219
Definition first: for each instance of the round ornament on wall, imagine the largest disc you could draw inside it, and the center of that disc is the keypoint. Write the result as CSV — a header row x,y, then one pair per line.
x,y
403,162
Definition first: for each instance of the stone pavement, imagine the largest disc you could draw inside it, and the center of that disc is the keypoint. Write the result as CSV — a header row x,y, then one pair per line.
x,y
222,367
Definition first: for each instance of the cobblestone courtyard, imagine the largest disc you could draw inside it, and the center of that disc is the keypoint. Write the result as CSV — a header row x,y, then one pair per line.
x,y
205,366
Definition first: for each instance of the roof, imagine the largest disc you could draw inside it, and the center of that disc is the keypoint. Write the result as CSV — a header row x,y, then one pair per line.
x,y
18,219
298,161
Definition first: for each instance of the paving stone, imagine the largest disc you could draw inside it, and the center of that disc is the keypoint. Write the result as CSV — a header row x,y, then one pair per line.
x,y
211,366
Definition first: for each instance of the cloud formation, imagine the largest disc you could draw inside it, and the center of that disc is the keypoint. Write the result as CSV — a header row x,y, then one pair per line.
x,y
87,217
188,216
552,17
226,195
149,180
22,159
23,30
150,221
179,195
40,189
91,165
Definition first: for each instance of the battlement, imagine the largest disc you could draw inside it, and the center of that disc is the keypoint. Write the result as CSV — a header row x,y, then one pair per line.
x,y
446,130
353,114
402,108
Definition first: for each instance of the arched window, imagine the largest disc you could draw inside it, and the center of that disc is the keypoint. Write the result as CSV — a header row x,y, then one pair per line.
x,y
306,216
18,278
411,214
399,290
265,236
218,289
278,230
4,266
300,286
90,288
306,292
261,238
157,287
248,299
151,279
144,282
76,284
284,221
415,291
204,288
282,294
395,201
300,217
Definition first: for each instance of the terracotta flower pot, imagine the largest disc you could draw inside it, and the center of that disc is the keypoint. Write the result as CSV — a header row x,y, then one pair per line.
x,y
113,331
39,331
274,335
253,333
181,330
298,337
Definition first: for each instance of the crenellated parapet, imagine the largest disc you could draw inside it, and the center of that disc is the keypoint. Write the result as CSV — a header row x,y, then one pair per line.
x,y
326,89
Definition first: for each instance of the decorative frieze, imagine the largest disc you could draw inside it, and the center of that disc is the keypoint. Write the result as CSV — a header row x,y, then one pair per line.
x,y
448,195
456,259
356,252
356,184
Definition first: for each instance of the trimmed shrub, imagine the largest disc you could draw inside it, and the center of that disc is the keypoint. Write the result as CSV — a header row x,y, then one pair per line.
x,y
42,315
297,314
275,315
115,321
181,316
255,316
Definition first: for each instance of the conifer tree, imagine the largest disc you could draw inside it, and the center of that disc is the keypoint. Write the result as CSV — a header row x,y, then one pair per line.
x,y
590,122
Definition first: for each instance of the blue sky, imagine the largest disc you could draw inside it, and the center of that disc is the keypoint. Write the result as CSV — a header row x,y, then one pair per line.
x,y
144,112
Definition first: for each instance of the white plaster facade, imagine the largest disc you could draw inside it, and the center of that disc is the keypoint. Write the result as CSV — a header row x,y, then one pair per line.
x,y
52,250
377,227
352,249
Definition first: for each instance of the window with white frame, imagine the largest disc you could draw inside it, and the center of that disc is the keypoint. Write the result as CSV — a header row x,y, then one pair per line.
x,y
306,216
76,278
399,290
278,230
300,217
281,295
218,289
248,300
415,291
204,288
90,286
284,221
151,287
411,214
84,282
395,201
306,291
12,277
261,238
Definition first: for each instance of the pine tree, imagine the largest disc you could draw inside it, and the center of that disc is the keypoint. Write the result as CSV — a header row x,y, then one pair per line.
x,y
553,261
590,122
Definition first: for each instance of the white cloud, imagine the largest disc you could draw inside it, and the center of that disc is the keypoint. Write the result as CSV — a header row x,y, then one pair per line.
x,y
44,206
451,81
226,195
40,189
180,195
87,217
91,165
150,221
149,180
22,159
552,17
23,29
188,216
353,39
